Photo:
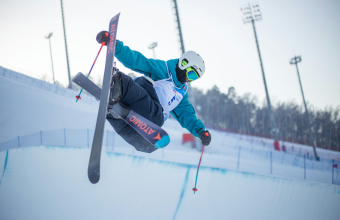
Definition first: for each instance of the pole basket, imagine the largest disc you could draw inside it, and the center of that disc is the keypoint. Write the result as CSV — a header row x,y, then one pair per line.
x,y
78,97
194,189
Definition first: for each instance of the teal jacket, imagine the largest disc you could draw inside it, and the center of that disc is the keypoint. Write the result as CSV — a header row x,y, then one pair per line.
x,y
156,70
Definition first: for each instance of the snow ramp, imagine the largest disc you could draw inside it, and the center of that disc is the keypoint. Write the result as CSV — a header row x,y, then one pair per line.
x,y
46,182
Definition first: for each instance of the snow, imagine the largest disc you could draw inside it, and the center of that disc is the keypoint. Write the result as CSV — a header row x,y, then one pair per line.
x,y
236,179
27,109
51,183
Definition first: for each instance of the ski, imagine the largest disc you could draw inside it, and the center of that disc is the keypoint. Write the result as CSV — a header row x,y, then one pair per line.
x,y
94,163
151,132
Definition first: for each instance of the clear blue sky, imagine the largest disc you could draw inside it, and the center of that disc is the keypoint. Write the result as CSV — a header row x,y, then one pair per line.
x,y
214,29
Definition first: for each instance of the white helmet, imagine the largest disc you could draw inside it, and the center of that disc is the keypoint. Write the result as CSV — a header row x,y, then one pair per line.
x,y
194,60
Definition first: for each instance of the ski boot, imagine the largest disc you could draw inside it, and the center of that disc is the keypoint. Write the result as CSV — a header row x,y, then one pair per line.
x,y
115,93
115,88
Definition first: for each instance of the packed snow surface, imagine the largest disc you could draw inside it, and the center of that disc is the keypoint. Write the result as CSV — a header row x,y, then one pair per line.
x,y
50,182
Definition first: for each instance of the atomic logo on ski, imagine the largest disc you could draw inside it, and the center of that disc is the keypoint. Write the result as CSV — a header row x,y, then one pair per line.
x,y
158,137
112,36
141,125
148,130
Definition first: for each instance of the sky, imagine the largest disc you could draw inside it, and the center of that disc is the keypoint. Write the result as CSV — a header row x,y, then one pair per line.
x,y
214,29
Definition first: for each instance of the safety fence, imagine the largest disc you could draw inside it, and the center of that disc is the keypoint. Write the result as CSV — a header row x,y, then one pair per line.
x,y
285,147
282,139
243,156
64,137
240,158
37,83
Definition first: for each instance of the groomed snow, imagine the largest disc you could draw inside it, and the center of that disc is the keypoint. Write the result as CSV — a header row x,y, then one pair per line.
x,y
49,182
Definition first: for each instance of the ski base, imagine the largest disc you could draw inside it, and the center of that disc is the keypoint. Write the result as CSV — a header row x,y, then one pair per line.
x,y
94,163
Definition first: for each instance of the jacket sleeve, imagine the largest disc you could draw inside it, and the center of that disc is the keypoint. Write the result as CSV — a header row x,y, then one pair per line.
x,y
134,60
186,116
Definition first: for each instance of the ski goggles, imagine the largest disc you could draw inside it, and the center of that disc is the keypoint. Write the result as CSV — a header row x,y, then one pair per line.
x,y
191,74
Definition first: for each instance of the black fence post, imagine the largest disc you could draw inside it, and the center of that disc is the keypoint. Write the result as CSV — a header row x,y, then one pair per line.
x,y
304,165
332,171
271,163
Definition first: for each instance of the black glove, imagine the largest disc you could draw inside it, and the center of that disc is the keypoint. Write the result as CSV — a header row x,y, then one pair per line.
x,y
205,137
103,37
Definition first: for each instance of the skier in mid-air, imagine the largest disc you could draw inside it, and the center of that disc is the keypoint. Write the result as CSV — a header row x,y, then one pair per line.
x,y
162,89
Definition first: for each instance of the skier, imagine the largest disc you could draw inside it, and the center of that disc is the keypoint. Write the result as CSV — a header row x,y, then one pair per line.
x,y
161,89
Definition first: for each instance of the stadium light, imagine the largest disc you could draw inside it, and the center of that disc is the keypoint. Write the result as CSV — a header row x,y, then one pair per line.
x,y
251,13
152,47
49,39
67,60
294,61
181,41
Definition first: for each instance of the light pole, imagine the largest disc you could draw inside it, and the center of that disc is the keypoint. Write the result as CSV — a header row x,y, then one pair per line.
x,y
49,39
191,97
250,14
179,26
294,61
152,47
68,65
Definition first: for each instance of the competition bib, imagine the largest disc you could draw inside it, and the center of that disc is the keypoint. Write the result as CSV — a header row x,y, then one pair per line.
x,y
173,94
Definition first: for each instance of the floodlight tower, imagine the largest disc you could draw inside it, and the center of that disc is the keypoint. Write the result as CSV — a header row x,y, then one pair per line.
x,y
294,61
250,14
179,26
68,65
152,47
191,97
49,39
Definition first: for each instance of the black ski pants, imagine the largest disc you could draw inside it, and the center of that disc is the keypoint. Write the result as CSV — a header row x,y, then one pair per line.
x,y
140,96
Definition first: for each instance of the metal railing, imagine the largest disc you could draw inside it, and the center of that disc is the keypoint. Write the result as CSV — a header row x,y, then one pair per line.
x,y
63,137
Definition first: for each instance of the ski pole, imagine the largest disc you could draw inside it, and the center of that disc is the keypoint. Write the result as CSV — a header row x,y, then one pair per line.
x,y
78,96
198,168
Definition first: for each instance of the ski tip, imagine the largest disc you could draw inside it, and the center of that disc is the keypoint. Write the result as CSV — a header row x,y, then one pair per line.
x,y
163,142
93,176
93,179
76,76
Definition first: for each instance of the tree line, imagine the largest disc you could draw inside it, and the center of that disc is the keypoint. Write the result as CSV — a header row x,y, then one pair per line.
x,y
243,114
